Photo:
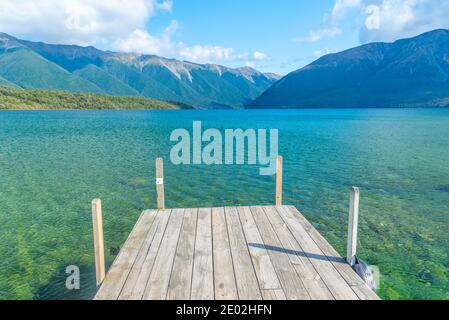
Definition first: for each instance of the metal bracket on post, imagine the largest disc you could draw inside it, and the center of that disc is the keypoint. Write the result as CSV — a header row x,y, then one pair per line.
x,y
160,183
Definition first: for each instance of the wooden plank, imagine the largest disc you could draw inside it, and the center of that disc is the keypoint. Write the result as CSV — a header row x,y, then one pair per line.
x,y
246,279
224,277
181,277
337,261
331,277
293,287
97,223
135,285
353,279
139,266
265,272
203,273
365,293
117,275
158,282
277,294
160,183
279,165
312,281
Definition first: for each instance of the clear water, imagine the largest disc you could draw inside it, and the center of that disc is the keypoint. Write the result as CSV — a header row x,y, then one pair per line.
x,y
52,164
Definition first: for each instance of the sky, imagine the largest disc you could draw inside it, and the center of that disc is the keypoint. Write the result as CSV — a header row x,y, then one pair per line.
x,y
277,36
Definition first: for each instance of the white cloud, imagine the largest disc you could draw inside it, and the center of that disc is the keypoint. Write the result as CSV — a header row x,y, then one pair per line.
x,y
200,53
259,56
317,35
140,41
77,21
403,18
119,25
329,28
341,7
384,20
205,54
167,5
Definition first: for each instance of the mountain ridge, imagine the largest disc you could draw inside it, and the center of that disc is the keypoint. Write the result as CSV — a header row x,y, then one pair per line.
x,y
114,73
411,72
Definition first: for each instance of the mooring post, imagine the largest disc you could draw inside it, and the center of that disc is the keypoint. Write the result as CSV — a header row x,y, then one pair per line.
x,y
160,183
279,163
353,226
97,222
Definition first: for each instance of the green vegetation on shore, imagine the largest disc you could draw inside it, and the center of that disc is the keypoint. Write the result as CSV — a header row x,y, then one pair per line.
x,y
20,99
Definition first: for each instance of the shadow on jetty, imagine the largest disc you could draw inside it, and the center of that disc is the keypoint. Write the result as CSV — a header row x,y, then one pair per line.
x,y
296,253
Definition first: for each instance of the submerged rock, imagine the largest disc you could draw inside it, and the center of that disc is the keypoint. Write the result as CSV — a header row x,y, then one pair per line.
x,y
443,188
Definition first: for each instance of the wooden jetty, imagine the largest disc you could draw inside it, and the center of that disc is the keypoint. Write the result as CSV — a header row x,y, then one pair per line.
x,y
231,253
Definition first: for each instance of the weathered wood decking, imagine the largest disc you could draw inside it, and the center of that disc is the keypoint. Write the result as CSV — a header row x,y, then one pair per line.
x,y
233,253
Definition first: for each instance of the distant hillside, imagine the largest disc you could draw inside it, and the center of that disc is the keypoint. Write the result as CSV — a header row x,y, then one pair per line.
x,y
4,82
19,99
86,69
407,73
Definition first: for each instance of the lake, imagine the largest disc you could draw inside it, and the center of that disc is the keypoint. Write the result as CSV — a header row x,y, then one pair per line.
x,y
53,163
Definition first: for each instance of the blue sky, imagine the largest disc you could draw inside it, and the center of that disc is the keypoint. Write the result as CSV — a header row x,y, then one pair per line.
x,y
266,26
271,35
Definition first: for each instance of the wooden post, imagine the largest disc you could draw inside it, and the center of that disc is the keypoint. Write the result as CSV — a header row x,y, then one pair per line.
x,y
97,222
160,183
279,162
353,226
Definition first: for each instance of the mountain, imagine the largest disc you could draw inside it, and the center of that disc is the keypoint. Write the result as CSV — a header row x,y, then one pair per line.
x,y
25,68
106,81
29,65
6,83
407,73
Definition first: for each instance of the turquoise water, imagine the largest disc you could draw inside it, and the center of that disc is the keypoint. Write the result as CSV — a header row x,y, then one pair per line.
x,y
52,164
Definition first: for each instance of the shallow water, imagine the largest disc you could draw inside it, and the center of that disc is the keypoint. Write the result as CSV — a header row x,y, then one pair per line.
x,y
52,164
